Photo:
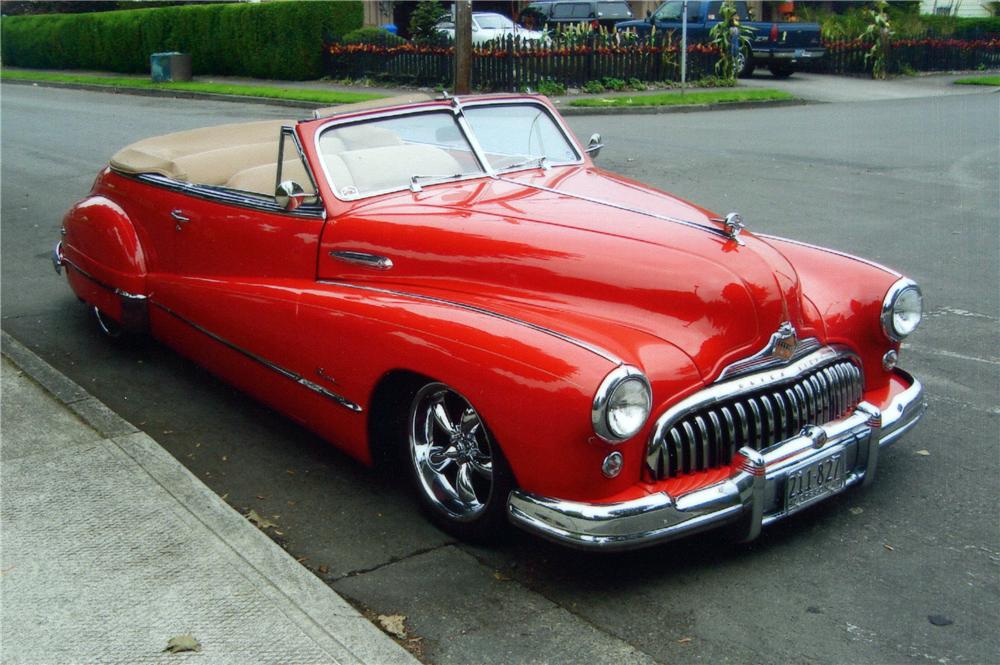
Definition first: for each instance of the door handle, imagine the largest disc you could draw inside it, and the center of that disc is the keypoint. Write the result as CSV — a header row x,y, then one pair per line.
x,y
179,218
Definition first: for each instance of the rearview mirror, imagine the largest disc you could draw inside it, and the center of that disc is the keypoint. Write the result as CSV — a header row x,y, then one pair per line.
x,y
289,195
594,145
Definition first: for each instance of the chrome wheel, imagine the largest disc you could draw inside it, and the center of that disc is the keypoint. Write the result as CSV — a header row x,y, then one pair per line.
x,y
451,453
108,326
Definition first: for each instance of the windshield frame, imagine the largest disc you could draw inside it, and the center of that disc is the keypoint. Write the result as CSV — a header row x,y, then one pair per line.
x,y
455,106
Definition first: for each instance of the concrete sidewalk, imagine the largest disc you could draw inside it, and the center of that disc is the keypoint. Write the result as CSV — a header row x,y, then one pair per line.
x,y
110,548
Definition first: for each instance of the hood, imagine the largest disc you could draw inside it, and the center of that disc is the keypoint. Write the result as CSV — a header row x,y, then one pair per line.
x,y
579,260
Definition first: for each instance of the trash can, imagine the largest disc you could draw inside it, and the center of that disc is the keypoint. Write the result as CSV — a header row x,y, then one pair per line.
x,y
171,66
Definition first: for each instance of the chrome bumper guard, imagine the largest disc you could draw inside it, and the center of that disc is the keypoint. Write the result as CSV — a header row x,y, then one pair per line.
x,y
752,497
57,258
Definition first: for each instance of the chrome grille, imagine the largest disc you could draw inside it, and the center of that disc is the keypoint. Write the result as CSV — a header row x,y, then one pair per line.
x,y
708,433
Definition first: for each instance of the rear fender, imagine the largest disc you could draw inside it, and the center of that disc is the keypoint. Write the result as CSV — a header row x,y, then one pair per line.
x,y
105,262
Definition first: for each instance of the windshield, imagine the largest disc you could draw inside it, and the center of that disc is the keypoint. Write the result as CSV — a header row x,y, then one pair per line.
x,y
514,133
494,21
384,155
613,10
427,147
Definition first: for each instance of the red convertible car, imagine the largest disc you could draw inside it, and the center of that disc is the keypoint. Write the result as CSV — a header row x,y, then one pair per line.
x,y
452,286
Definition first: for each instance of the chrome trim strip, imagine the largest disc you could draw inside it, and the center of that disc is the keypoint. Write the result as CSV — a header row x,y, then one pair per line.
x,y
225,195
57,258
617,206
766,357
868,262
114,290
750,498
287,373
607,355
363,259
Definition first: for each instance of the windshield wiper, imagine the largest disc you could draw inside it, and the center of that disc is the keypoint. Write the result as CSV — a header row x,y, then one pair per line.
x,y
541,162
436,177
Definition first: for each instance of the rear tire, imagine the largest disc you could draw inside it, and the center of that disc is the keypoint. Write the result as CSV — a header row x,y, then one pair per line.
x,y
455,465
781,71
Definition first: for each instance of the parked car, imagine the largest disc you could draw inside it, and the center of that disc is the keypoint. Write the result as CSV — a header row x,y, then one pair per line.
x,y
555,13
780,47
487,26
454,287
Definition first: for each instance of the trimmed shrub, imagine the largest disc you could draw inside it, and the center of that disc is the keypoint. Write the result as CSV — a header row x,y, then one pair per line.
x,y
278,40
370,35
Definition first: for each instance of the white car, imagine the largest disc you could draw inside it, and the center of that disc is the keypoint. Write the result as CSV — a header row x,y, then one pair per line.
x,y
487,26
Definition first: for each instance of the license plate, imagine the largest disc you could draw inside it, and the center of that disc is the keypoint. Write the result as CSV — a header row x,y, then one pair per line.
x,y
814,482
800,53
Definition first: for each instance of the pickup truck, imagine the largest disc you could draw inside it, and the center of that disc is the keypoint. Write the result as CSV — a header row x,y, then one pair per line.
x,y
777,46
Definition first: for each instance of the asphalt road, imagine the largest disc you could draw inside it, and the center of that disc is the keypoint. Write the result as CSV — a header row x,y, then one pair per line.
x,y
913,183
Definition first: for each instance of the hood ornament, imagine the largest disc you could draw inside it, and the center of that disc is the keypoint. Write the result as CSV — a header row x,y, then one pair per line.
x,y
783,347
734,224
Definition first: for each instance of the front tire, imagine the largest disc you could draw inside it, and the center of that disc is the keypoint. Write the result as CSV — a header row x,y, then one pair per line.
x,y
457,468
744,64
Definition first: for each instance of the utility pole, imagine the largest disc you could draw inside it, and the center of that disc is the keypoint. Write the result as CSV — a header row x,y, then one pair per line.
x,y
684,47
463,47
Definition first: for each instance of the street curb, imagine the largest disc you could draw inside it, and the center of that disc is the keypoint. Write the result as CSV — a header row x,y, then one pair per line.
x,y
679,108
332,624
564,110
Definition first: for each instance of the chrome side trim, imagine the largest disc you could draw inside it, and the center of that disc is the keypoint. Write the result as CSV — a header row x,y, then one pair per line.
x,y
363,259
617,206
287,373
227,196
867,262
118,292
752,496
607,355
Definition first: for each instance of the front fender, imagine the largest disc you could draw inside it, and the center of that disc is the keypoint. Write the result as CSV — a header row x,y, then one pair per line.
x,y
847,293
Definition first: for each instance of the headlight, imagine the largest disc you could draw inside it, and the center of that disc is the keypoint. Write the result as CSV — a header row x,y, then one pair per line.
x,y
622,404
902,309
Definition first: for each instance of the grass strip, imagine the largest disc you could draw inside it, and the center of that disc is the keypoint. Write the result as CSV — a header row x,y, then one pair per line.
x,y
700,98
979,80
270,92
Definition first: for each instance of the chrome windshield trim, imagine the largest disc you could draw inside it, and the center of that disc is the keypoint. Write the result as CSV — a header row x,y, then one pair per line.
x,y
607,355
274,367
228,196
837,252
618,206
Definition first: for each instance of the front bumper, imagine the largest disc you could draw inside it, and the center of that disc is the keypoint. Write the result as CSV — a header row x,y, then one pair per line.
x,y
752,497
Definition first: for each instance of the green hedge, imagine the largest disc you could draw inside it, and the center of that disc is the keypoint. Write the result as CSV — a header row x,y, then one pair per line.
x,y
277,40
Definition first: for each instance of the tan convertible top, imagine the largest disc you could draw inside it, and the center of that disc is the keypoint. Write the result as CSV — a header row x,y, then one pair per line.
x,y
240,156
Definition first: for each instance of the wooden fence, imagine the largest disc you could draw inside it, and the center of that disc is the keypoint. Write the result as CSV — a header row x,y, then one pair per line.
x,y
512,65
574,60
919,55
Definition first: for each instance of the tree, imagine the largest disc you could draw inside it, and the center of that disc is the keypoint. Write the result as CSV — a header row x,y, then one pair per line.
x,y
424,19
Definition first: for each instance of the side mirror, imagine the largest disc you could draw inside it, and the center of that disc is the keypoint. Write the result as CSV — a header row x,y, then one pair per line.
x,y
289,195
649,16
594,146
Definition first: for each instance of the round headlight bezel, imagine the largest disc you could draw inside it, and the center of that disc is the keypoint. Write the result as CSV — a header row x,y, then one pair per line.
x,y
896,291
620,377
